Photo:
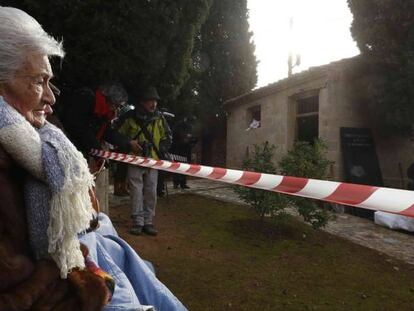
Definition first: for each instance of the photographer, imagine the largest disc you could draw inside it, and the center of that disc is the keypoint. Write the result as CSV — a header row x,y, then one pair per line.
x,y
148,126
184,141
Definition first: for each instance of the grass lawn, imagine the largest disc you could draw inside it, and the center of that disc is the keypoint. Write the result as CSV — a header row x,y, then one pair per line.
x,y
216,256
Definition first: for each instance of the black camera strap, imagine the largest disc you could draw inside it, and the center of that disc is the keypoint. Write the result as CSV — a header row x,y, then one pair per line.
x,y
148,136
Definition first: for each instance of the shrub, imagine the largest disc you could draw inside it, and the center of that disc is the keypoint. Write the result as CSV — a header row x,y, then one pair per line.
x,y
304,160
263,202
308,161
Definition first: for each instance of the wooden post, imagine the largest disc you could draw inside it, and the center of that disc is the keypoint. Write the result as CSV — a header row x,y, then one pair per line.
x,y
102,190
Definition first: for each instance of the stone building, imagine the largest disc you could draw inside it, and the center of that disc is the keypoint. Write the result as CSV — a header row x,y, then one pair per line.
x,y
321,102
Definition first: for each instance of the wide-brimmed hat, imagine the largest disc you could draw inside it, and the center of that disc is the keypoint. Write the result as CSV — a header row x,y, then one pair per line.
x,y
149,93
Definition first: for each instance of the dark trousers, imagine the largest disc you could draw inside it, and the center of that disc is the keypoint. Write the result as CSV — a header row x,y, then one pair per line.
x,y
180,180
160,184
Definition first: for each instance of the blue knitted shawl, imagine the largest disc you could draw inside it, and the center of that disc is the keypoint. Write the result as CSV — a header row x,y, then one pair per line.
x,y
57,192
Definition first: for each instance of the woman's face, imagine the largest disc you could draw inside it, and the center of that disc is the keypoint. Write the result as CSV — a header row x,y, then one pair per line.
x,y
29,91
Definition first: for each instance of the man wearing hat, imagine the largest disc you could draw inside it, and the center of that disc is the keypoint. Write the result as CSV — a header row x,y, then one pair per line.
x,y
148,126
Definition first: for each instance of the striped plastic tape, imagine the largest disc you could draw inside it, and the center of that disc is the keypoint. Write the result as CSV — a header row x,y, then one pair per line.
x,y
390,200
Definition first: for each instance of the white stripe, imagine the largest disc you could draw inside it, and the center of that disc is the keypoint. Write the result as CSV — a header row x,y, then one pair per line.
x,y
166,164
268,181
151,162
131,159
318,189
128,158
183,167
231,176
389,200
138,161
204,171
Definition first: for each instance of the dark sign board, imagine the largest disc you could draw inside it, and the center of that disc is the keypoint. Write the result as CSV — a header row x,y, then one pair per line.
x,y
361,164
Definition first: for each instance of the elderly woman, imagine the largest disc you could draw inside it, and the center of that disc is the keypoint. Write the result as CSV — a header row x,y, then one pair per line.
x,y
58,205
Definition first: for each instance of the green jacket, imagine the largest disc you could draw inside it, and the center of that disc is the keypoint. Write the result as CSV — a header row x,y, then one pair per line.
x,y
156,126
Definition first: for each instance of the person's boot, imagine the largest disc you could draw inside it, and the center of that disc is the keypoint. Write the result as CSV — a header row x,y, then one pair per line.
x,y
136,230
150,230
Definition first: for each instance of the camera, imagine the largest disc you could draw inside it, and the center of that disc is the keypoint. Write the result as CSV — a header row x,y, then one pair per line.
x,y
146,149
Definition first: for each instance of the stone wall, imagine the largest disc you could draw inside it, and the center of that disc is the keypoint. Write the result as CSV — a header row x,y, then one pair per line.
x,y
338,107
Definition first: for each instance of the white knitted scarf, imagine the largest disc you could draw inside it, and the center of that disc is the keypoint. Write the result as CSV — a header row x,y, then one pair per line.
x,y
70,205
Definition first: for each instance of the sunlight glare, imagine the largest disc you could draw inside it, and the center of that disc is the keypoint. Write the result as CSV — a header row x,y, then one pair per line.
x,y
320,34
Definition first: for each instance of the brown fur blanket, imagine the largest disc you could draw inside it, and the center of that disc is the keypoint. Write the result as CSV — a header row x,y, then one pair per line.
x,y
24,283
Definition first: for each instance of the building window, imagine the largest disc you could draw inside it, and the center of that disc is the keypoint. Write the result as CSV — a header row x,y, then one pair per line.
x,y
254,117
307,119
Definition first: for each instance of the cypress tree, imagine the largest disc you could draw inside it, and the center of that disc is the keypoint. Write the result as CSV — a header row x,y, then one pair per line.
x,y
139,43
226,68
223,66
384,32
226,58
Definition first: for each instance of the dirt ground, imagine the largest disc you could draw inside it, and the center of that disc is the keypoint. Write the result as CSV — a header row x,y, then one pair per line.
x,y
217,256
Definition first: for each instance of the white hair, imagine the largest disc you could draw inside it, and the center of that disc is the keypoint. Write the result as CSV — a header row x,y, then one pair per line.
x,y
21,35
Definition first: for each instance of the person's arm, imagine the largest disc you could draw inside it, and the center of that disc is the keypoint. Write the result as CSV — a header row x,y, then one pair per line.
x,y
115,138
125,129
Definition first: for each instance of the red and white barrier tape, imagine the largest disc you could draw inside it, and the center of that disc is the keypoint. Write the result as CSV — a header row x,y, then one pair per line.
x,y
390,200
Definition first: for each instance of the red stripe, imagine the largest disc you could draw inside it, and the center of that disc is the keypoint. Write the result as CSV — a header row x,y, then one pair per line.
x,y
194,168
159,163
174,165
132,159
123,157
249,178
351,194
217,173
116,155
146,160
291,184
408,212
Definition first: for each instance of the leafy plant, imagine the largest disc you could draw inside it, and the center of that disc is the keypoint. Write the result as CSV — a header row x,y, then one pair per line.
x,y
265,203
304,160
308,161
